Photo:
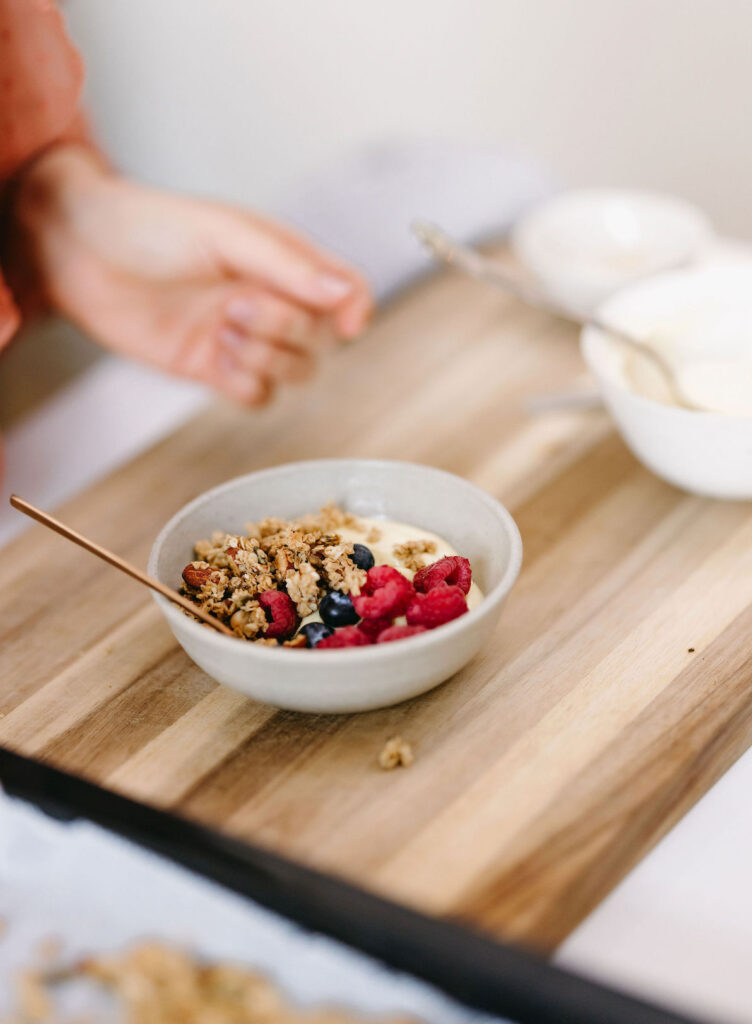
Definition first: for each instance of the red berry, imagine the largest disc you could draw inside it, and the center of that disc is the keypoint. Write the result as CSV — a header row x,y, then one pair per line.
x,y
372,627
348,636
453,569
439,605
281,613
399,633
386,593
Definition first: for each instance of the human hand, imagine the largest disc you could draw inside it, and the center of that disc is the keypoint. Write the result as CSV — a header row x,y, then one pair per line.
x,y
200,289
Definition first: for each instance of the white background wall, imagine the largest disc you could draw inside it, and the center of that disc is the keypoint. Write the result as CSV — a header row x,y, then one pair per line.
x,y
240,97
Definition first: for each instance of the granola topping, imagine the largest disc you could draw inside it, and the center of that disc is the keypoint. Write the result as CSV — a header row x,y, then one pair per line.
x,y
410,554
306,558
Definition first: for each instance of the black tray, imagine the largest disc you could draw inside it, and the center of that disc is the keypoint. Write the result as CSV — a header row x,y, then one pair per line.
x,y
471,968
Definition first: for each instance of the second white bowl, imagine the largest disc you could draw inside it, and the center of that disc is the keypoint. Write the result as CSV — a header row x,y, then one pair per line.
x,y
583,245
705,312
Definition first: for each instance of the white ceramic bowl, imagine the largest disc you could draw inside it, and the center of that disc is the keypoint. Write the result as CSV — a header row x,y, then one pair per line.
x,y
356,679
584,245
703,312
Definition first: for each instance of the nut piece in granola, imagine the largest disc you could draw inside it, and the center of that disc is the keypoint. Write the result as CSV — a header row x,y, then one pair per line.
x,y
396,753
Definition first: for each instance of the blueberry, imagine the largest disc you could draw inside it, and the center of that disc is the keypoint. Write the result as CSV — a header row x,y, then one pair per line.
x,y
336,609
362,556
315,632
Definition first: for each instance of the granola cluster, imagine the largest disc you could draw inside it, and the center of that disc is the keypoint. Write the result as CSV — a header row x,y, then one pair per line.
x,y
157,984
410,554
305,557
396,753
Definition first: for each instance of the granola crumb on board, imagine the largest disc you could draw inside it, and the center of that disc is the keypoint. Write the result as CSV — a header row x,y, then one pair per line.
x,y
396,753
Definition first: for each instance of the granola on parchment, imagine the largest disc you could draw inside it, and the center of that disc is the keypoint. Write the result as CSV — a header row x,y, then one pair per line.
x,y
153,983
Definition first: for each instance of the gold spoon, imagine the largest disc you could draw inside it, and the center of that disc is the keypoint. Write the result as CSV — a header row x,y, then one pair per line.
x,y
471,262
120,563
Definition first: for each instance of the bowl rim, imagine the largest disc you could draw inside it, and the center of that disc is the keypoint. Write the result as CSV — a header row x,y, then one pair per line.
x,y
592,340
529,241
373,651
642,198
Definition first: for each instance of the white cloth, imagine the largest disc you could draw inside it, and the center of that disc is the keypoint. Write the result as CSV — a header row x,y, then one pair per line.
x,y
98,892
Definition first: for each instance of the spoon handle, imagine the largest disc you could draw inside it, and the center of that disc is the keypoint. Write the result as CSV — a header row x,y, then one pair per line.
x,y
473,263
120,563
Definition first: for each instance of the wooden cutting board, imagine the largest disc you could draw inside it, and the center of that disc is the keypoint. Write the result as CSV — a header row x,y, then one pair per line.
x,y
616,691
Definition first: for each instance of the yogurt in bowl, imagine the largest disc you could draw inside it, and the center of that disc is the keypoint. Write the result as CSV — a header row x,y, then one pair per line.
x,y
701,321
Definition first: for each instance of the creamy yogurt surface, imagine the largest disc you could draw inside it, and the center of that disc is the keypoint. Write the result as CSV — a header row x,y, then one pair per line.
x,y
393,534
715,378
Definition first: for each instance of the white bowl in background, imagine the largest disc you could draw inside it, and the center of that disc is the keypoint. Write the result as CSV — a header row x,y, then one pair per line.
x,y
583,245
701,313
354,679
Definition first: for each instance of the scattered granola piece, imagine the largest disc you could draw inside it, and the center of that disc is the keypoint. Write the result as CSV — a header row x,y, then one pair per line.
x,y
249,621
33,998
340,572
410,553
297,641
331,518
49,948
303,588
396,754
374,535
159,984
266,527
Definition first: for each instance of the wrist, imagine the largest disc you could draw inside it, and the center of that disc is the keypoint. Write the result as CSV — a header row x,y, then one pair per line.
x,y
53,185
46,205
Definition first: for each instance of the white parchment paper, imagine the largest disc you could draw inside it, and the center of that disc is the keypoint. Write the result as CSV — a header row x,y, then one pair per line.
x,y
97,892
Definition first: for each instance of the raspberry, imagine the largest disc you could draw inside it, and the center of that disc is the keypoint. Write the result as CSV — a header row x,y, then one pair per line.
x,y
280,613
348,636
441,604
386,593
373,627
399,633
453,570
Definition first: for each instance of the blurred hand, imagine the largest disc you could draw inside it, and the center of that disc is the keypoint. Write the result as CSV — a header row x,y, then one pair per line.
x,y
200,289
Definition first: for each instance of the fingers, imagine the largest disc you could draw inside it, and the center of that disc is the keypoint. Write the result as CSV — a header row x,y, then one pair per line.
x,y
234,382
212,363
265,315
275,362
292,266
352,315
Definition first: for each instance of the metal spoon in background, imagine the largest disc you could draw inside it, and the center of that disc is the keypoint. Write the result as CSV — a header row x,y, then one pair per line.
x,y
445,249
